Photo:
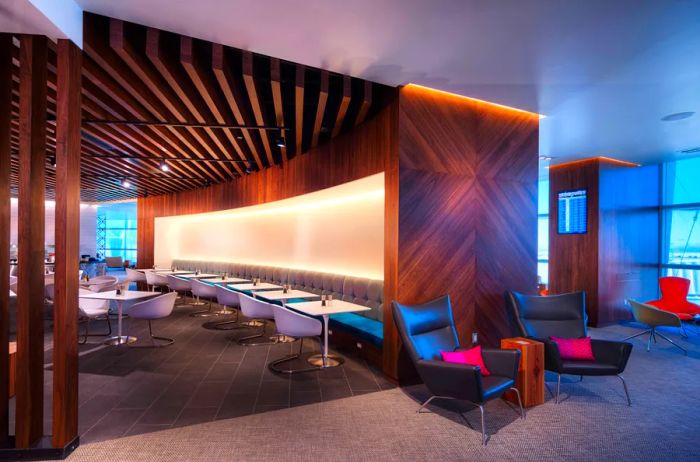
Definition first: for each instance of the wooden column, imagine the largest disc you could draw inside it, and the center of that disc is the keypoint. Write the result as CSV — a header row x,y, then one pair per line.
x,y
5,127
30,283
65,332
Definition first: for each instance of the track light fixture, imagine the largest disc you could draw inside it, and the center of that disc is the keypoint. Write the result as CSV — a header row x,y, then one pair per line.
x,y
280,140
207,183
126,183
52,161
164,166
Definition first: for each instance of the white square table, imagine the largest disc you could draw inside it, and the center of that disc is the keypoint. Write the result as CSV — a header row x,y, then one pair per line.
x,y
125,296
198,276
316,308
230,280
173,273
253,288
282,296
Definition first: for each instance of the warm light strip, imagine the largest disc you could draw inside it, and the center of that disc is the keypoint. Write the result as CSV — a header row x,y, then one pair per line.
x,y
590,159
502,106
281,208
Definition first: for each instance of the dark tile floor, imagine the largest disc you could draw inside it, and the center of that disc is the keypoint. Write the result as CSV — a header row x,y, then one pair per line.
x,y
204,376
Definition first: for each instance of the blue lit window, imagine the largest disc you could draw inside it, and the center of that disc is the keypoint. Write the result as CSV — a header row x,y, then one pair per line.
x,y
119,226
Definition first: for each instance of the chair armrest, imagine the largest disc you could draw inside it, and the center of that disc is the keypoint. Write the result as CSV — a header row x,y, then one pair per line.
x,y
552,360
500,362
612,352
460,381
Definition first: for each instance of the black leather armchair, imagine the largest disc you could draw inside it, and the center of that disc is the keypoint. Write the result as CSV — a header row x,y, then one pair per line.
x,y
428,329
565,316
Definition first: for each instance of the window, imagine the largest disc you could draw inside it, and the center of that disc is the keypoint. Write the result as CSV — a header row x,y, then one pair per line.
x,y
680,244
543,230
116,229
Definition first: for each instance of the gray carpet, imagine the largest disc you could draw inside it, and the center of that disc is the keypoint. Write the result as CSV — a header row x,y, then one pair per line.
x,y
593,422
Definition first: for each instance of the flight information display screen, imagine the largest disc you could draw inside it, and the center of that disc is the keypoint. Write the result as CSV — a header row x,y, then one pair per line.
x,y
572,212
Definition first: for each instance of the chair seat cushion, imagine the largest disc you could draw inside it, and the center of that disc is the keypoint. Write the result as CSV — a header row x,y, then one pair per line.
x,y
587,368
495,385
685,310
364,328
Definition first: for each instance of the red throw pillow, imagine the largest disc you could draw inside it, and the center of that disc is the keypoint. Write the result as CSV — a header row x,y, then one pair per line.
x,y
574,348
471,356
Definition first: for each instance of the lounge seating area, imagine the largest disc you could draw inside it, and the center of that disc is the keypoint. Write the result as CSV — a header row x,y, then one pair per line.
x,y
353,231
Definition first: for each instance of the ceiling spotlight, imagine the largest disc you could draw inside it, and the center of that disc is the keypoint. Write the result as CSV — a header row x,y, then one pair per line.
x,y
164,166
207,183
52,161
247,169
677,116
280,142
125,183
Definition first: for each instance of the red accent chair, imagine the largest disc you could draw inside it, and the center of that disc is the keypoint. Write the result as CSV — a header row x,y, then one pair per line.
x,y
674,298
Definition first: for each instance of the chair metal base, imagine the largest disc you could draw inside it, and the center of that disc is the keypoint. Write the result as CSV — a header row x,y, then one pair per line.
x,y
624,385
652,336
156,341
88,334
246,341
274,365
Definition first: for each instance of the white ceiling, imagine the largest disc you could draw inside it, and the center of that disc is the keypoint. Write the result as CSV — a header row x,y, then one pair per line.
x,y
603,72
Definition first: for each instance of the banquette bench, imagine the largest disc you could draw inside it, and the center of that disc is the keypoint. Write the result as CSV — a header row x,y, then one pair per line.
x,y
363,332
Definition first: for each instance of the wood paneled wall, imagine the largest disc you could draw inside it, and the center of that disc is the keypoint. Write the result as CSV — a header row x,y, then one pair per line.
x,y
618,257
461,211
353,155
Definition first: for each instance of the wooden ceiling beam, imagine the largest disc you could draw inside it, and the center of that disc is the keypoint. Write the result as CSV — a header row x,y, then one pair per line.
x,y
321,108
249,81
204,84
234,96
299,108
276,84
366,103
344,104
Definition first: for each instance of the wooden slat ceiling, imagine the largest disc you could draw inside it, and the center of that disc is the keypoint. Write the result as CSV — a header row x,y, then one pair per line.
x,y
211,112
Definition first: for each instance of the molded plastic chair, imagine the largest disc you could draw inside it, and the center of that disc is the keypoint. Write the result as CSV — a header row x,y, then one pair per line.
x,y
654,317
135,276
674,298
205,291
565,316
292,324
91,310
155,308
179,286
154,280
426,330
259,312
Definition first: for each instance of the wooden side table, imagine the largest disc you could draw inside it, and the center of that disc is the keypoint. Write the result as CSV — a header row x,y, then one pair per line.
x,y
530,381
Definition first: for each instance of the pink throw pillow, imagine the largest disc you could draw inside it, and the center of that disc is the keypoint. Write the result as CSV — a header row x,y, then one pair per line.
x,y
574,348
471,356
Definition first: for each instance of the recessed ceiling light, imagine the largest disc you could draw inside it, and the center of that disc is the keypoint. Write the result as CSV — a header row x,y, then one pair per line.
x,y
677,116
126,183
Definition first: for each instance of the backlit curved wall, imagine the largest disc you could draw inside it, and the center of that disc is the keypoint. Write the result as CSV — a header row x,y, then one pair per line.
x,y
336,230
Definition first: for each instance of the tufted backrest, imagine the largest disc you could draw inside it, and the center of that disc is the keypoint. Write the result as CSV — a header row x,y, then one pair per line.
x,y
554,315
362,291
426,329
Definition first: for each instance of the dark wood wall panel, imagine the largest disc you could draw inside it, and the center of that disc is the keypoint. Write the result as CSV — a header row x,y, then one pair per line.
x,y
464,185
353,155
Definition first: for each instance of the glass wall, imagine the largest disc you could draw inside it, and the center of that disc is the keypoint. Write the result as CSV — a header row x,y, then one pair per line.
x,y
543,230
680,244
116,230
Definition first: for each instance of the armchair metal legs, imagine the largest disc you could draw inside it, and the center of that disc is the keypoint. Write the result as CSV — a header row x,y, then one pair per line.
x,y
523,415
202,313
274,365
624,384
162,341
652,336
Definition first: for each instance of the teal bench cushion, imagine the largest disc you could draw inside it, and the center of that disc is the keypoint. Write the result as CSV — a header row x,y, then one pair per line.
x,y
364,328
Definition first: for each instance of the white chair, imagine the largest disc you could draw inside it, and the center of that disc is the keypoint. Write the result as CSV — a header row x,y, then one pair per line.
x,y
292,324
135,276
179,286
155,308
90,310
202,290
226,298
154,280
259,312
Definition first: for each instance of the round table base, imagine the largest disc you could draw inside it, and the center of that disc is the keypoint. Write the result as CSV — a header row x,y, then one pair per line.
x,y
124,339
282,339
331,361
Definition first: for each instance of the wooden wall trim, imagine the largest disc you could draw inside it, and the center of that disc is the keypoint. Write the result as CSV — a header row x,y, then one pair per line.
x,y
65,332
33,58
353,155
6,47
